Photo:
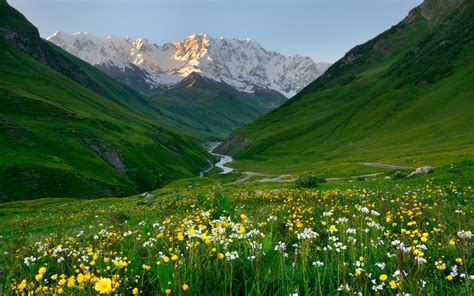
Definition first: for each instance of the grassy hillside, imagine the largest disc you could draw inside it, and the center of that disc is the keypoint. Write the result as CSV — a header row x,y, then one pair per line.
x,y
166,108
403,97
81,138
197,107
206,111
211,110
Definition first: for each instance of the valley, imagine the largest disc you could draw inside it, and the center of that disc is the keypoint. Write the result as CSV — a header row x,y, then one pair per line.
x,y
217,166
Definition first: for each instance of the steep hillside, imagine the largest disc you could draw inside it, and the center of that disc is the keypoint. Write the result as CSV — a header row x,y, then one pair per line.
x,y
213,110
75,133
403,97
161,106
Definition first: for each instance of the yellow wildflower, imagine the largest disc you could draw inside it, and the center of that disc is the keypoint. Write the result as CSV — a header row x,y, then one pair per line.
x,y
80,278
103,286
393,284
42,270
22,285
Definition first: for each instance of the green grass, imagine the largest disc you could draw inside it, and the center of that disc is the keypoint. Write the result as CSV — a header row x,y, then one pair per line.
x,y
147,231
396,99
211,236
50,124
68,130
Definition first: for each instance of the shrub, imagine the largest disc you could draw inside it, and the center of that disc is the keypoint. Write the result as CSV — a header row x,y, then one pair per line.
x,y
398,175
309,181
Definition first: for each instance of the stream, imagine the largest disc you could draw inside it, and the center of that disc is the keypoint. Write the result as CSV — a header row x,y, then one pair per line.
x,y
223,159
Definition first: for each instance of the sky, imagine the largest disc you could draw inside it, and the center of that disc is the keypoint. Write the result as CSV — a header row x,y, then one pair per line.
x,y
321,29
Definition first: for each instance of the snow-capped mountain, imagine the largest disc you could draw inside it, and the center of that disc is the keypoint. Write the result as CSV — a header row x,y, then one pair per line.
x,y
244,64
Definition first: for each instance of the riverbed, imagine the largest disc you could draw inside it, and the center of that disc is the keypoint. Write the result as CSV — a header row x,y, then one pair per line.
x,y
223,159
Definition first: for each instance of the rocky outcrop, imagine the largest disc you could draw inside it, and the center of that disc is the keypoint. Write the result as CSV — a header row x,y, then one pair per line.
x,y
111,158
429,9
232,145
421,171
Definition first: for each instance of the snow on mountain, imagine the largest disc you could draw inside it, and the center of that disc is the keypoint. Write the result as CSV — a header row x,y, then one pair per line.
x,y
244,64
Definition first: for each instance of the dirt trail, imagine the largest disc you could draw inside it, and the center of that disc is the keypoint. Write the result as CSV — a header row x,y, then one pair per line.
x,y
387,166
354,177
248,175
285,178
278,179
211,166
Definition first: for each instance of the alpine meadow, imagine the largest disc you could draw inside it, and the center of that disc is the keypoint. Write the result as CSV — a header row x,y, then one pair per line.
x,y
225,166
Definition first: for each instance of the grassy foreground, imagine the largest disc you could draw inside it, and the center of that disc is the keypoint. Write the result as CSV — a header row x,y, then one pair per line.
x,y
374,237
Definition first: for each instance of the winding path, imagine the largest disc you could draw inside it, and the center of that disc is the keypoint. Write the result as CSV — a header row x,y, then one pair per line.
x,y
387,166
285,178
248,175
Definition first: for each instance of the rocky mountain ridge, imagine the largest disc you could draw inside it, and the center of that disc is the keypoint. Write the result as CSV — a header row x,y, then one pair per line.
x,y
243,64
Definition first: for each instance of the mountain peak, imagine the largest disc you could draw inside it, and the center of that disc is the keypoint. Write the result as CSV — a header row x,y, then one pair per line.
x,y
198,37
241,63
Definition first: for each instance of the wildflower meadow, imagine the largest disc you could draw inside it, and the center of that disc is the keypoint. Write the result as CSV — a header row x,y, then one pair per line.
x,y
283,241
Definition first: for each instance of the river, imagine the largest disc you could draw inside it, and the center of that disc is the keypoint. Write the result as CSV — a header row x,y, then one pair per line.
x,y
223,159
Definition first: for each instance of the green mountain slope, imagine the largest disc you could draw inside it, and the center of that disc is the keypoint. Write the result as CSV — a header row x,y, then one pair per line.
x,y
24,35
75,132
406,96
212,110
197,107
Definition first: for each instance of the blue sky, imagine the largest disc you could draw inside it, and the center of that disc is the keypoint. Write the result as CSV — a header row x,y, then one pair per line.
x,y
321,29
